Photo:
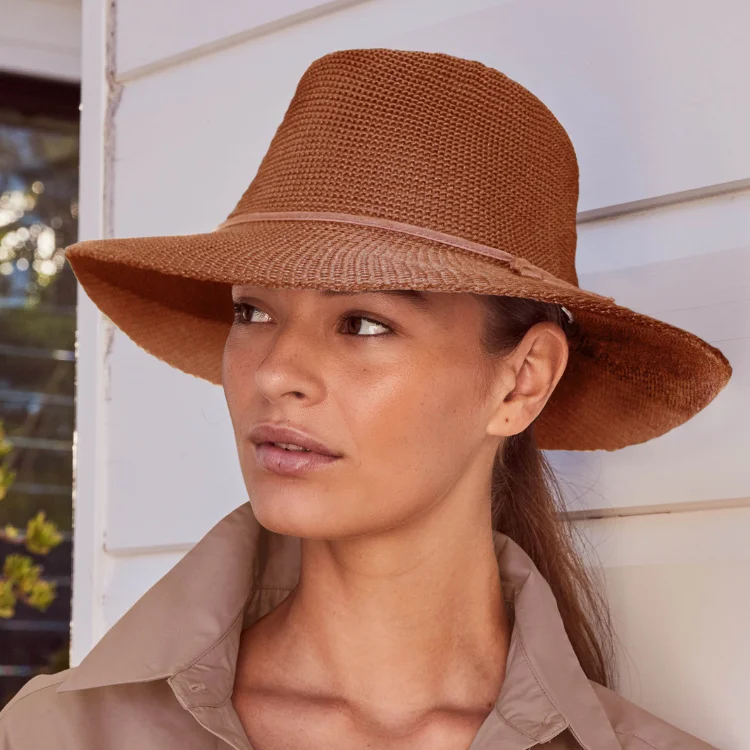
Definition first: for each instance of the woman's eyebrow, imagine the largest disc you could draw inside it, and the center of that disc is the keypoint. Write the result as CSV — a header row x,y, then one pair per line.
x,y
420,299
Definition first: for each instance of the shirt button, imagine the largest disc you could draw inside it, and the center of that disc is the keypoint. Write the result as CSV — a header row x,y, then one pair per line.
x,y
195,687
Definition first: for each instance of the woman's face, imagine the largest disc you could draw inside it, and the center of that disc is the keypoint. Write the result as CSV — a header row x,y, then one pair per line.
x,y
394,383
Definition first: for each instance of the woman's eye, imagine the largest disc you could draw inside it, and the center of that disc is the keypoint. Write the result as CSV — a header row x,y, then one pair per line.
x,y
365,326
357,325
243,313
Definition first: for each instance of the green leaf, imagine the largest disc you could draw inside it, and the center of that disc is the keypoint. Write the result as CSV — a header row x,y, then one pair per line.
x,y
7,477
11,532
7,600
41,595
19,568
41,535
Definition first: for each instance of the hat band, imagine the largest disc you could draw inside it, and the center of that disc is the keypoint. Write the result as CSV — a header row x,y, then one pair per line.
x,y
516,264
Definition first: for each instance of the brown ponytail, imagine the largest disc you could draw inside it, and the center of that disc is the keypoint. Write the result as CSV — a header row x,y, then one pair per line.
x,y
528,506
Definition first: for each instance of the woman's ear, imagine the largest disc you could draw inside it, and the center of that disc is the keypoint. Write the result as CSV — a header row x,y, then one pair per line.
x,y
527,377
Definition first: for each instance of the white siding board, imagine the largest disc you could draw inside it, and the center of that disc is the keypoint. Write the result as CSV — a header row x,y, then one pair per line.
x,y
681,230
173,469
89,451
141,49
684,651
129,577
139,45
681,609
41,38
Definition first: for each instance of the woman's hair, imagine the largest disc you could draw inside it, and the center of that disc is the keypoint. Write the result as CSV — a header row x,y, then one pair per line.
x,y
527,503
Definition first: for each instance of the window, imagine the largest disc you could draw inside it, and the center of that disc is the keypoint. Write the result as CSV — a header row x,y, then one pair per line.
x,y
39,129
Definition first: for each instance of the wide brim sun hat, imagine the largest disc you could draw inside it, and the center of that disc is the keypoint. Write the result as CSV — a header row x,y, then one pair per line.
x,y
400,169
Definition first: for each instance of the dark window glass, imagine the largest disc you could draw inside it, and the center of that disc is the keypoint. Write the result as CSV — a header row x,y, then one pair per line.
x,y
38,217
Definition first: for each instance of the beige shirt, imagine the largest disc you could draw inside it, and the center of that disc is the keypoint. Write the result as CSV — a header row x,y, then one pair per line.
x,y
161,678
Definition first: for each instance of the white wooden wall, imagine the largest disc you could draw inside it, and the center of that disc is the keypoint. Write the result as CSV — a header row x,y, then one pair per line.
x,y
654,96
41,38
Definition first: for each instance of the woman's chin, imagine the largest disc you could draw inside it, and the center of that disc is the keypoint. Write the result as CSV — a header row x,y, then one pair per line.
x,y
307,520
296,517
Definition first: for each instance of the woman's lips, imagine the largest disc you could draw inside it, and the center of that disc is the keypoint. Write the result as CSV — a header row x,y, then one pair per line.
x,y
290,462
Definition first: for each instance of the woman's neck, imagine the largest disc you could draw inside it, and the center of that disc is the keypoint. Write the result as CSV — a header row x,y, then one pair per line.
x,y
404,622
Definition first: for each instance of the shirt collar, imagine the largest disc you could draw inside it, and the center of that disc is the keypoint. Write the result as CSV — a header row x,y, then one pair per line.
x,y
186,629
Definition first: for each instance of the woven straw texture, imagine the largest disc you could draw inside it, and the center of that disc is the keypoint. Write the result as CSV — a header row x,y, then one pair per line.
x,y
433,141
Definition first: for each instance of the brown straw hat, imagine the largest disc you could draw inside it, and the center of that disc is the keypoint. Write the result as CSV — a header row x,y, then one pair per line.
x,y
397,169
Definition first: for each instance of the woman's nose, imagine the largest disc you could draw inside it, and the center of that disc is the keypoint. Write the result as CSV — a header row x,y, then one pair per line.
x,y
290,368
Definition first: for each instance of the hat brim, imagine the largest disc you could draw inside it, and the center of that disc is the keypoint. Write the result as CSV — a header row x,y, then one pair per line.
x,y
630,377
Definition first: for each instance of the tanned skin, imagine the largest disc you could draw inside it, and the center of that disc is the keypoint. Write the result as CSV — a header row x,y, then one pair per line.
x,y
396,635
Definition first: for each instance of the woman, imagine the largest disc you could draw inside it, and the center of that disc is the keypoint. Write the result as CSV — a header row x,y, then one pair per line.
x,y
392,309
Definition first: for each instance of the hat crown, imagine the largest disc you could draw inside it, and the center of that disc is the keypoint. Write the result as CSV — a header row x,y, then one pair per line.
x,y
426,139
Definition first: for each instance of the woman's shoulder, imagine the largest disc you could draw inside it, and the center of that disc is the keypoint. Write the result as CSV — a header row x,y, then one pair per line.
x,y
40,715
29,714
638,729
